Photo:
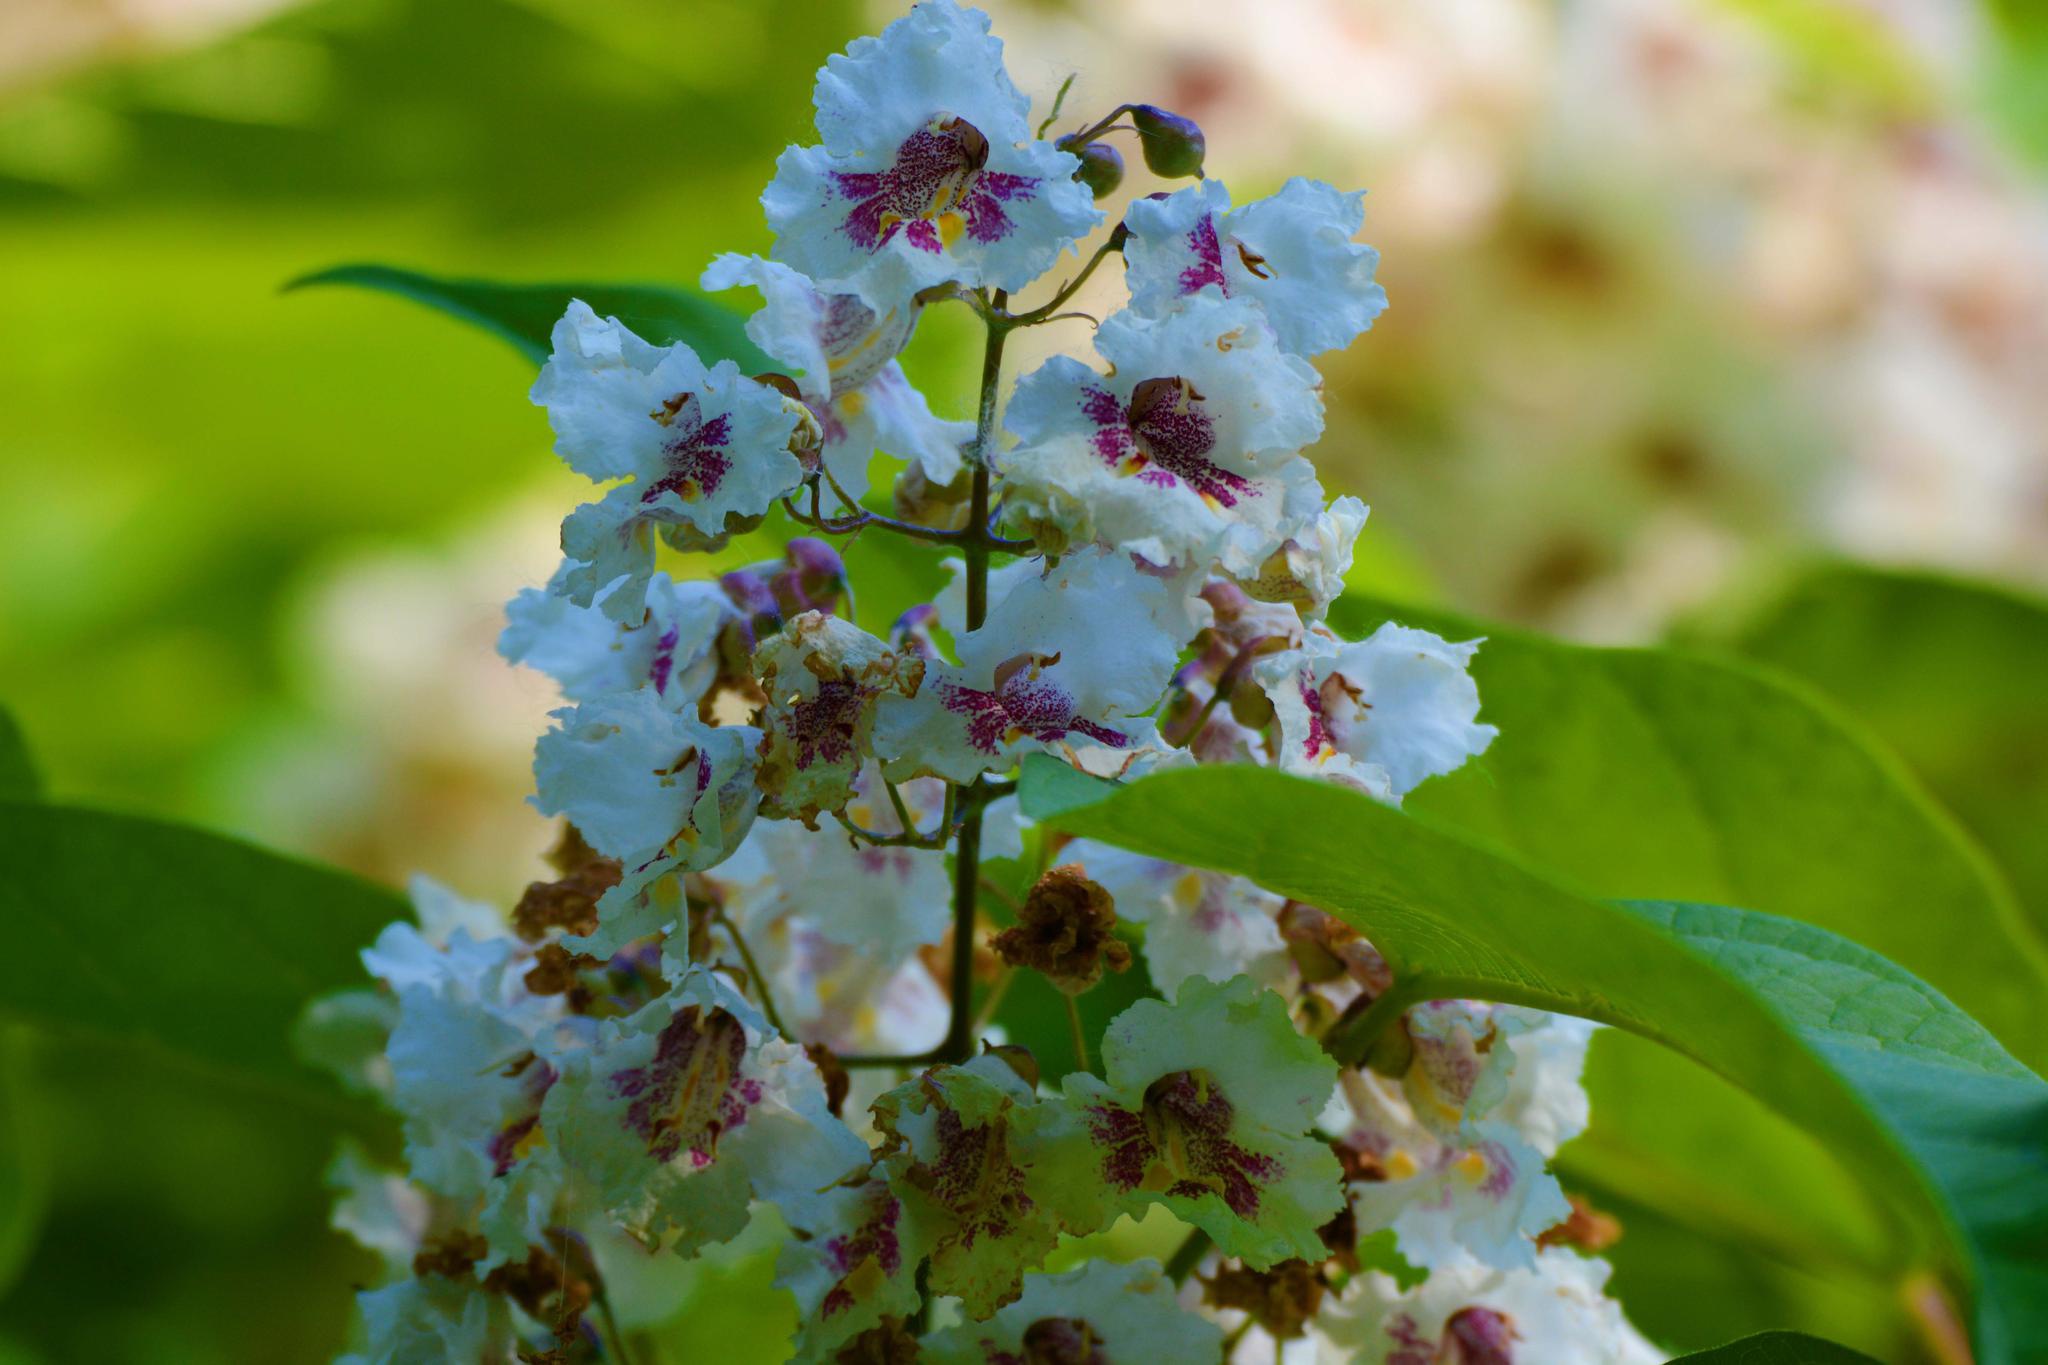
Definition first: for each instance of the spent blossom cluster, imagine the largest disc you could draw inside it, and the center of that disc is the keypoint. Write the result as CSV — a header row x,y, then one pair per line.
x,y
764,980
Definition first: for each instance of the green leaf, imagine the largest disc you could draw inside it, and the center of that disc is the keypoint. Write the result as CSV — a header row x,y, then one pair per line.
x,y
1777,1348
525,314
25,1155
1949,673
1653,773
1907,1091
199,944
19,780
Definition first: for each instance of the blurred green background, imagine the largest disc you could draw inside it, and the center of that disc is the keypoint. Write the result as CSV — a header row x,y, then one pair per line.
x,y
1689,296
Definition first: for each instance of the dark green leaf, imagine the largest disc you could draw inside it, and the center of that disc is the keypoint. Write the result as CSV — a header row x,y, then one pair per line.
x,y
1650,773
197,943
1950,674
1908,1092
19,780
24,1153
1777,1348
525,314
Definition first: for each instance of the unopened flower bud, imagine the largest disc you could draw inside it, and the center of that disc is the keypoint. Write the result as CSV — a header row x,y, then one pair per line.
x,y
1281,1299
942,507
1173,146
1067,931
1101,168
1017,1057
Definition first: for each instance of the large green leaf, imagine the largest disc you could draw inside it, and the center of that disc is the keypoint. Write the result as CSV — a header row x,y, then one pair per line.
x,y
1777,1348
1949,673
1907,1091
525,314
19,780
1651,773
25,1155
190,941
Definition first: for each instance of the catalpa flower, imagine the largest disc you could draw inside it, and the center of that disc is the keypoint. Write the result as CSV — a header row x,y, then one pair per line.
x,y
958,1146
1307,572
674,1115
887,902
431,1318
928,172
1207,1108
1197,923
1292,254
707,450
1186,453
822,676
652,788
671,650
844,353
1381,714
1553,1313
1104,1312
851,1263
1069,657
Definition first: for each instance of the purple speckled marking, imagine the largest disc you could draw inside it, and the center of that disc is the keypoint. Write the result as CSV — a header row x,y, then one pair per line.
x,y
693,1091
1479,1336
873,1237
535,1079
664,663
974,1178
1184,1125
1165,444
695,455
937,170
821,728
1038,709
1208,266
1318,735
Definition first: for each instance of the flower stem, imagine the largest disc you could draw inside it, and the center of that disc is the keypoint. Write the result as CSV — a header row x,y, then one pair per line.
x,y
732,931
1187,1256
1074,1027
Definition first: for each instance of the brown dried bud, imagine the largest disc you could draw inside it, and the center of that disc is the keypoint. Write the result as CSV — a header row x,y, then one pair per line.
x,y
943,507
1066,930
889,1343
835,1076
570,903
1340,1237
557,971
1062,1341
1281,1300
1325,948
1587,1228
551,1289
452,1256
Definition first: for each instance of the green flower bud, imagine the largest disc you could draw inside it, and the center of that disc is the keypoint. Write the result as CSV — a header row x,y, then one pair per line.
x,y
1174,146
1101,169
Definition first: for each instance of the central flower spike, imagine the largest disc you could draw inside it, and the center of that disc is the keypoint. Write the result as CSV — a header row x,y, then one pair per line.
x,y
928,171
1187,451
1207,1109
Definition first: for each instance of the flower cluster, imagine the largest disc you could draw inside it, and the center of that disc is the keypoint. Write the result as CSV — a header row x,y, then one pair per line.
x,y
749,990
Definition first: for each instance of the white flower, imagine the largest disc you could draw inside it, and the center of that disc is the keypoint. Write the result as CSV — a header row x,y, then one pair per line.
x,y
1185,453
707,449
415,1320
1555,1312
844,355
1381,714
822,676
677,1115
1292,254
1197,923
1103,1311
1070,656
647,785
928,171
383,1211
671,649
1308,571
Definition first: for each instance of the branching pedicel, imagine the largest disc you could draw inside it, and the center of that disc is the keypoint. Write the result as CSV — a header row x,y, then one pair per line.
x,y
772,870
